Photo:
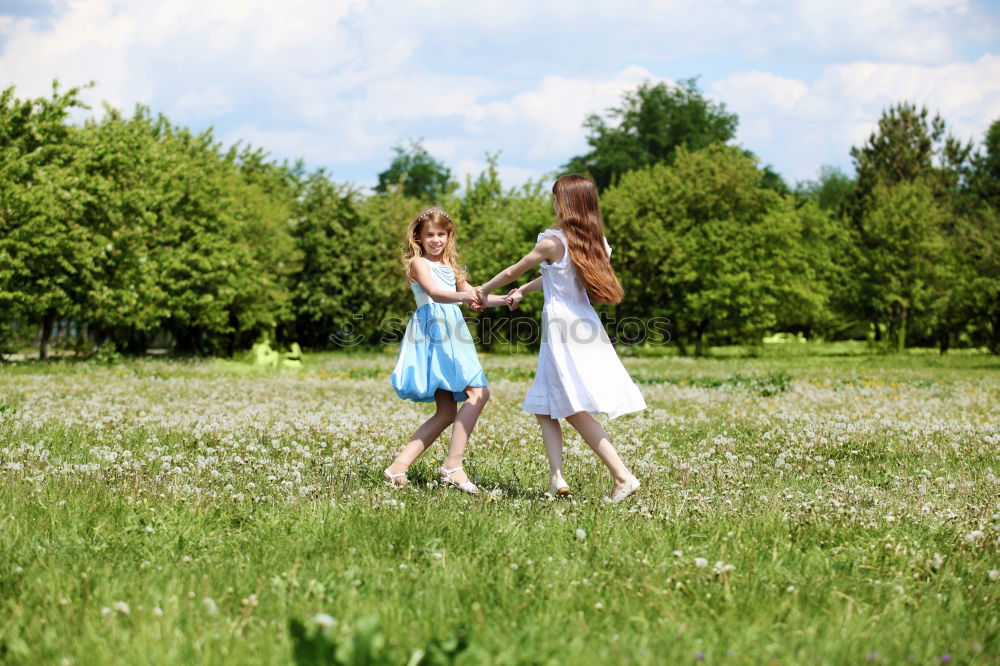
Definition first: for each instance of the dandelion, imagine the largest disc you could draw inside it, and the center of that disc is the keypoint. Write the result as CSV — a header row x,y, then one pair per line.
x,y
994,574
210,606
323,620
723,568
700,562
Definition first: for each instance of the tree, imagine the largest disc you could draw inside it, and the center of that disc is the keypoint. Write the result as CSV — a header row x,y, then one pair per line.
x,y
986,168
46,256
901,255
909,145
831,191
495,227
422,176
334,279
903,270
649,127
703,243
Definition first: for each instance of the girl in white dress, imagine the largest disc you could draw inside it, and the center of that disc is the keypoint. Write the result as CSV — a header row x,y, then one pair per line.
x,y
579,372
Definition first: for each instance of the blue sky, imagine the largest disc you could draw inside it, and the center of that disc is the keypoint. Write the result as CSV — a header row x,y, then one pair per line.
x,y
339,83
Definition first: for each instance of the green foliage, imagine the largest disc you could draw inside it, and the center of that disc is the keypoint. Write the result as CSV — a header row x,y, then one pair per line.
x,y
418,173
831,192
924,233
495,228
107,354
986,169
46,256
701,242
132,230
652,123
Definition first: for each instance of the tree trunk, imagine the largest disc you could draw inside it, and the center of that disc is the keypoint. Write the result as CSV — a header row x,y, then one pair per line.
x,y
43,344
944,340
899,340
700,339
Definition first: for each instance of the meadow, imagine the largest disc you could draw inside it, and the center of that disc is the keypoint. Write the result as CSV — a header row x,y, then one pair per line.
x,y
809,506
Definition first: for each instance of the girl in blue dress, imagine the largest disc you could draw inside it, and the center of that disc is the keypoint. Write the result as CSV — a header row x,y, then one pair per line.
x,y
437,358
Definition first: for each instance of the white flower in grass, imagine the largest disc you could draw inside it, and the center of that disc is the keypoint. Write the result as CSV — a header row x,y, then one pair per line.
x,y
581,534
700,562
120,607
723,568
157,611
994,574
210,606
323,620
973,536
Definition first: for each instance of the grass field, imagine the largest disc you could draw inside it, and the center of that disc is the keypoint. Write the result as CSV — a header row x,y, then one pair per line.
x,y
797,508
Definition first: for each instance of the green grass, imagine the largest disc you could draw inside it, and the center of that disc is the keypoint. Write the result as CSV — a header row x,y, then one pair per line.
x,y
844,507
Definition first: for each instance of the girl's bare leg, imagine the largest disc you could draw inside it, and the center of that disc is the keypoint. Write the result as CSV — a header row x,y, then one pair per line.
x,y
425,435
465,421
597,439
552,437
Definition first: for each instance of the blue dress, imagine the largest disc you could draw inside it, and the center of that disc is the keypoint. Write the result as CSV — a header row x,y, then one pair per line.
x,y
437,351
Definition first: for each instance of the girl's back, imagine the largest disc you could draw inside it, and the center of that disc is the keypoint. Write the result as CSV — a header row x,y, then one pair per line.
x,y
560,280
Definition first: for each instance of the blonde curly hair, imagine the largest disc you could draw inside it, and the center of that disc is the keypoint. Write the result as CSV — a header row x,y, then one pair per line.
x,y
412,248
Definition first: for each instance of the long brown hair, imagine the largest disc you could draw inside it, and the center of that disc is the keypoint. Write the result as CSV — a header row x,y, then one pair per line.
x,y
412,248
580,218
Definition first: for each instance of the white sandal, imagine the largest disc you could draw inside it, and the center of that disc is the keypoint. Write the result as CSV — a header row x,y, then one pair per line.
x,y
558,489
468,486
390,479
627,490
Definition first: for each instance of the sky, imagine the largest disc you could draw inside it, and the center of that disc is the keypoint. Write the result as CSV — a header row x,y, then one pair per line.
x,y
339,83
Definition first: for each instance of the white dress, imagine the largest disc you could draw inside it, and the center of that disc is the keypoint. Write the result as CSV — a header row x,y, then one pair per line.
x,y
578,368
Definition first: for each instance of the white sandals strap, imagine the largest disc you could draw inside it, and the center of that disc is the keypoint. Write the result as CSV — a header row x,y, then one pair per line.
x,y
467,486
392,477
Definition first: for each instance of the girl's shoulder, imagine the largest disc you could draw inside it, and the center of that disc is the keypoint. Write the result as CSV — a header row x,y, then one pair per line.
x,y
550,233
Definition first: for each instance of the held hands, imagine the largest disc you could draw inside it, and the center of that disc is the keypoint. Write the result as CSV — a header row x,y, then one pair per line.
x,y
471,299
514,298
478,300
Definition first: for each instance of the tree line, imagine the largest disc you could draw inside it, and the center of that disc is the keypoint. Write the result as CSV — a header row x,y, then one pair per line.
x,y
133,230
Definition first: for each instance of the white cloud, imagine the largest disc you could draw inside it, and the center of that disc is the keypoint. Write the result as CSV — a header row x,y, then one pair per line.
x,y
213,101
341,82
803,126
